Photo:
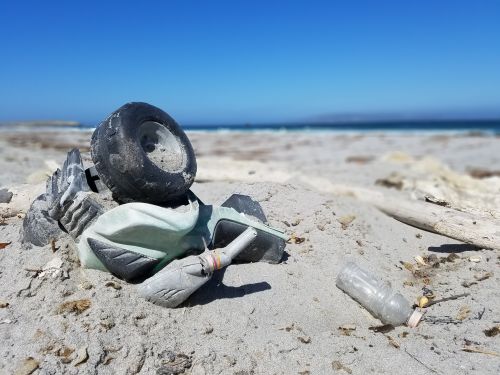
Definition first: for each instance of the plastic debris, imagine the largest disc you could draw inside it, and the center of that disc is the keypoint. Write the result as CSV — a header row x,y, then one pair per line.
x,y
181,278
52,268
420,260
377,296
423,301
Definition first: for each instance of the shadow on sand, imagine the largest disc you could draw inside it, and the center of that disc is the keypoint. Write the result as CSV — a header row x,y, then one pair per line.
x,y
453,248
215,289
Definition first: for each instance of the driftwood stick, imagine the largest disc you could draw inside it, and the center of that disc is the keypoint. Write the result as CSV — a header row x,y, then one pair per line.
x,y
479,231
451,298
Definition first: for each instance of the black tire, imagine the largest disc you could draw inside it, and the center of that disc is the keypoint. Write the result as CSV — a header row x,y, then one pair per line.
x,y
143,155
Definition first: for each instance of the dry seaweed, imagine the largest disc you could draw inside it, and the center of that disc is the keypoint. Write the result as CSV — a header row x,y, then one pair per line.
x,y
359,159
492,332
337,365
77,306
382,329
479,350
481,173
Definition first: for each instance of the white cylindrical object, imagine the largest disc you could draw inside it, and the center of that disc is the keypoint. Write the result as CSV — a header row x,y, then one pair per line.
x,y
376,296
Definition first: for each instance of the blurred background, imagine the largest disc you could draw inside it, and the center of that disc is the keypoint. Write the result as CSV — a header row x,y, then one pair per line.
x,y
227,63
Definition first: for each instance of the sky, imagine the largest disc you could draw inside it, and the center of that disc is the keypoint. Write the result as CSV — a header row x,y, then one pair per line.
x,y
223,62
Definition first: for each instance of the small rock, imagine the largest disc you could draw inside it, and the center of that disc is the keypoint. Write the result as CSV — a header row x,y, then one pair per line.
x,y
475,259
198,369
393,342
3,304
345,221
230,359
107,323
492,332
175,364
393,181
452,257
423,301
27,366
382,329
468,284
113,284
346,329
64,353
483,277
420,260
81,356
52,268
86,285
463,312
5,196
304,339
296,239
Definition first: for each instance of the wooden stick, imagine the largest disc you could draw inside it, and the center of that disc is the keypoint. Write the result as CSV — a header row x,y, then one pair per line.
x,y
447,299
479,350
479,231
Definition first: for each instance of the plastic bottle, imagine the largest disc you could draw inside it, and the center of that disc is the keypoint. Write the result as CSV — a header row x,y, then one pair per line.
x,y
377,296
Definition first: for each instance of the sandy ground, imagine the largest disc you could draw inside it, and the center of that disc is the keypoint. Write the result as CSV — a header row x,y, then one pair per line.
x,y
258,318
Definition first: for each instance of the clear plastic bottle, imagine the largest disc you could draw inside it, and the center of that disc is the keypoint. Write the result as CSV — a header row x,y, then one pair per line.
x,y
377,296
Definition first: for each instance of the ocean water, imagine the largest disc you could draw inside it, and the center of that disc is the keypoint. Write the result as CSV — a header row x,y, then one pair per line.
x,y
483,126
449,126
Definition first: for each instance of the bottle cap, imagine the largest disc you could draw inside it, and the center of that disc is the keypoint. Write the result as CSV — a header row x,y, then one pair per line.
x,y
414,319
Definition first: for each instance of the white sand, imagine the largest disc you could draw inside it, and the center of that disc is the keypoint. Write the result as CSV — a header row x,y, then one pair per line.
x,y
259,318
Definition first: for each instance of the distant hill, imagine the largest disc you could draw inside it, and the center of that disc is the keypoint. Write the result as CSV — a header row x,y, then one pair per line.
x,y
41,123
347,118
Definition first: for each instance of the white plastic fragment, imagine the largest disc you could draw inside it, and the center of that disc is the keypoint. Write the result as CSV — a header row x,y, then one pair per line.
x,y
52,268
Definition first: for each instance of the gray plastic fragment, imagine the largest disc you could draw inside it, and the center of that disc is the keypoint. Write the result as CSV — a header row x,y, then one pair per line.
x,y
121,262
38,227
5,196
246,205
81,213
179,279
64,185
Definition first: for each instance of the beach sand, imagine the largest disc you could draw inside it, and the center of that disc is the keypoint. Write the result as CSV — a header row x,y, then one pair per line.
x,y
259,318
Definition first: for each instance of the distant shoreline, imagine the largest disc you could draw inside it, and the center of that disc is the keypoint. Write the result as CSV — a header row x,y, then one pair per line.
x,y
432,126
41,124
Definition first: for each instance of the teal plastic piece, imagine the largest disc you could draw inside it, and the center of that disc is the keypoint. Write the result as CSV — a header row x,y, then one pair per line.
x,y
159,232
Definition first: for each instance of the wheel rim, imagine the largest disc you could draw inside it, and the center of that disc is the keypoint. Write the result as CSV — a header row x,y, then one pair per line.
x,y
161,146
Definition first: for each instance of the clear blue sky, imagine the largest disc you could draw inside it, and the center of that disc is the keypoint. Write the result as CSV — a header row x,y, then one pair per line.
x,y
248,61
